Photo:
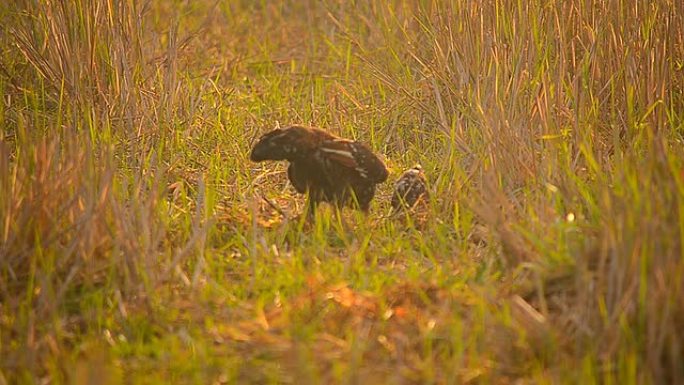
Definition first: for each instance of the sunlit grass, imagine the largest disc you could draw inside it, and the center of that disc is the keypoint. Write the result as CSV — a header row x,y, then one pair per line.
x,y
138,244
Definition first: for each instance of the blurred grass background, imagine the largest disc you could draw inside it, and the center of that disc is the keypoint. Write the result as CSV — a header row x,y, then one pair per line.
x,y
137,244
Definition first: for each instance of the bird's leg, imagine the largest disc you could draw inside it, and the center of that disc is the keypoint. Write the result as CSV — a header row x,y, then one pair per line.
x,y
312,203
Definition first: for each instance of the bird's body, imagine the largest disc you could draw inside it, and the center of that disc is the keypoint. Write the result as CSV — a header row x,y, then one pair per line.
x,y
409,189
331,169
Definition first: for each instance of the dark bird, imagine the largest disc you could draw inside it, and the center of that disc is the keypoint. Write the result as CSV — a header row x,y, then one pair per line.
x,y
331,169
409,189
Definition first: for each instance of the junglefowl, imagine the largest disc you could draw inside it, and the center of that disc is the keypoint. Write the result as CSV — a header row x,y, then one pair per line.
x,y
329,168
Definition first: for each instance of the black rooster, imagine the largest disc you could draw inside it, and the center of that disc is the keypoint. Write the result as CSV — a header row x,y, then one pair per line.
x,y
331,169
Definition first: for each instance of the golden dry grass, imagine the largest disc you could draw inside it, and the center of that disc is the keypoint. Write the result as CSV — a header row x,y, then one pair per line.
x,y
138,244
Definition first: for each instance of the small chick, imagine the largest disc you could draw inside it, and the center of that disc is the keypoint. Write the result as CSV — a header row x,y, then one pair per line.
x,y
410,189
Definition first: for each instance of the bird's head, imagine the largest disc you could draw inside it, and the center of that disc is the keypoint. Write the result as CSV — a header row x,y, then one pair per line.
x,y
279,144
415,170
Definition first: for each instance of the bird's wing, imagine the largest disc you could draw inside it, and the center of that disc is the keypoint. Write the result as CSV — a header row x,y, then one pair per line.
x,y
339,152
354,157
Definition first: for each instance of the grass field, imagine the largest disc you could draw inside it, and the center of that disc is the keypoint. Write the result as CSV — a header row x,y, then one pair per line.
x,y
138,243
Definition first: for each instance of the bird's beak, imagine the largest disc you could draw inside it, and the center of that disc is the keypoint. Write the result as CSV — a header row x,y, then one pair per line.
x,y
256,155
